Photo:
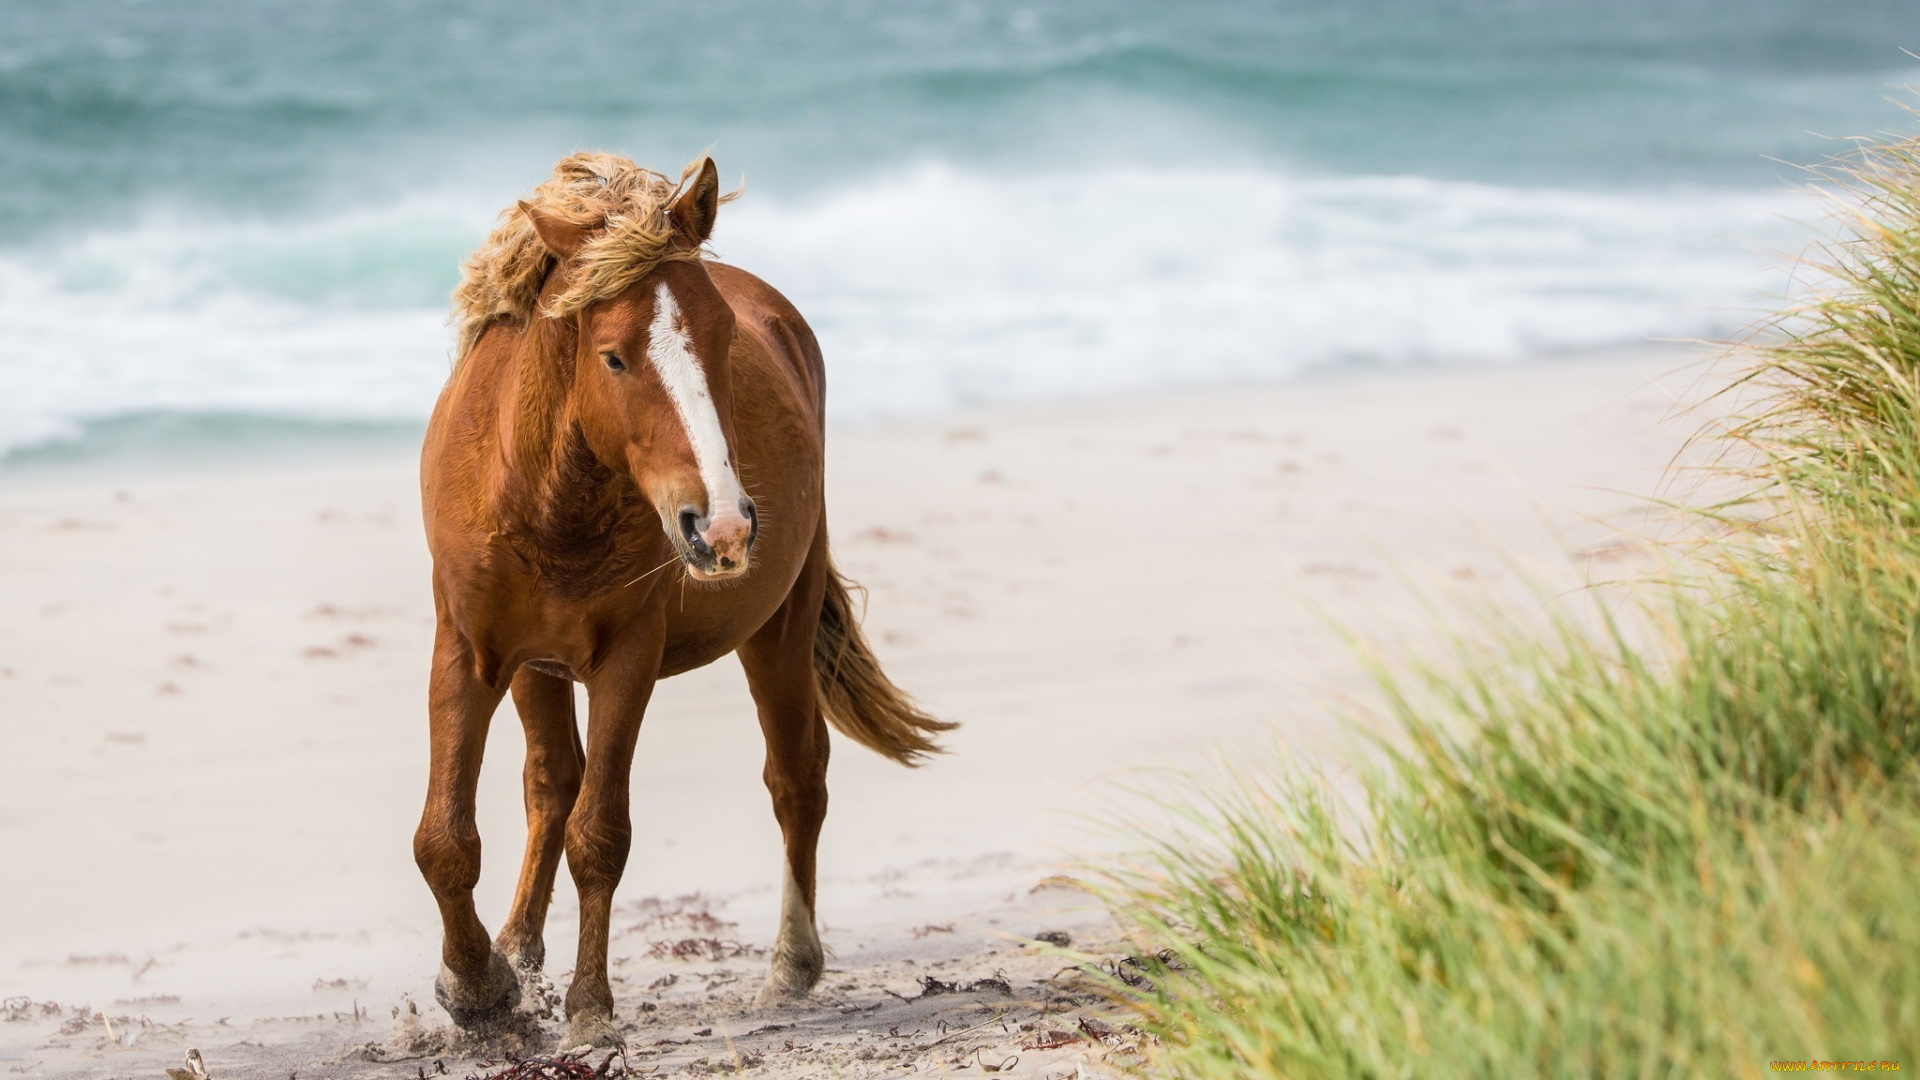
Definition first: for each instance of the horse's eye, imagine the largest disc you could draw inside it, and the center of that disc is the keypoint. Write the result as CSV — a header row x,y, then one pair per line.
x,y
613,362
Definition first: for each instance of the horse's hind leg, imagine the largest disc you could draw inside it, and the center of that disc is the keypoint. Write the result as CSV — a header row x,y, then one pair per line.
x,y
552,781
476,984
779,666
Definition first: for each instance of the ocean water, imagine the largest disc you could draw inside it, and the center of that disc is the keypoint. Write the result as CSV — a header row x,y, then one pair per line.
x,y
221,216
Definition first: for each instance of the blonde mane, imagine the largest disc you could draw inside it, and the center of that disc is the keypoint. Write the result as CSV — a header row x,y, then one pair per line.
x,y
594,191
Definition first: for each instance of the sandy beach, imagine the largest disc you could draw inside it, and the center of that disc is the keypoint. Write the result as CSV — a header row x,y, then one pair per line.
x,y
214,674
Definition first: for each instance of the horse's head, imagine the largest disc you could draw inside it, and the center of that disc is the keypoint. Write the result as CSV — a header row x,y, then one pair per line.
x,y
652,385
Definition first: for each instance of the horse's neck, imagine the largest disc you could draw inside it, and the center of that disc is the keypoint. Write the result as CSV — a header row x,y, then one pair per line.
x,y
582,526
553,487
538,411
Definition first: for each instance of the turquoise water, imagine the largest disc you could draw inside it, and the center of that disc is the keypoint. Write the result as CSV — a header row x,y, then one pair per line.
x,y
258,209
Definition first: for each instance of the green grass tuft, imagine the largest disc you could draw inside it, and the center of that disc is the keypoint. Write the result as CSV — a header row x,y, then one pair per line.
x,y
1689,849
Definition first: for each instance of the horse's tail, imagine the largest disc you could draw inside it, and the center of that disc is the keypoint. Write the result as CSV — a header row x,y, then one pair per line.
x,y
856,696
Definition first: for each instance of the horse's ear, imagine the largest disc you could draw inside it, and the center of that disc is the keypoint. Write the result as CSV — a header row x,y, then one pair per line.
x,y
562,237
693,212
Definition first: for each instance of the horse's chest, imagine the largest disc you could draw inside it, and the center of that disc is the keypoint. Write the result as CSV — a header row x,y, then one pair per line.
x,y
517,582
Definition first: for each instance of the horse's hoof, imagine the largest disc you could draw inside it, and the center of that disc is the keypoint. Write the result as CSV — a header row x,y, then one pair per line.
x,y
475,1006
790,979
594,1029
527,963
775,993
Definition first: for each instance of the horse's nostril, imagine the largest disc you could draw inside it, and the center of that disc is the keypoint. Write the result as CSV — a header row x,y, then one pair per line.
x,y
691,526
753,519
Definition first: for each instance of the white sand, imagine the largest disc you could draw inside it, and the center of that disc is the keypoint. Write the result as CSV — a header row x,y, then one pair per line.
x,y
212,678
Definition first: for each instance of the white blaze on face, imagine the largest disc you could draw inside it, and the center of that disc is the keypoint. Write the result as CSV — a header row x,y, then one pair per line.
x,y
670,351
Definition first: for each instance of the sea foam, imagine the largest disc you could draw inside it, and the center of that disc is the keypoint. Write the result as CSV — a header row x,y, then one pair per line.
x,y
931,288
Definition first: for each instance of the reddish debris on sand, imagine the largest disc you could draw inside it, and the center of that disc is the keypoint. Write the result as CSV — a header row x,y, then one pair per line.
x,y
1051,1040
569,1066
701,949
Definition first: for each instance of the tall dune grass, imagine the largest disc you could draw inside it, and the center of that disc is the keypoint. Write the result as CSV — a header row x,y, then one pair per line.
x,y
1688,850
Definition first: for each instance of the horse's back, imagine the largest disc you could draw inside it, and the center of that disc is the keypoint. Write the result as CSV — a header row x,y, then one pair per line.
x,y
777,327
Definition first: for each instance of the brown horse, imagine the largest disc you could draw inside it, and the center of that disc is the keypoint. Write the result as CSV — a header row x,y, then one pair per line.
x,y
623,481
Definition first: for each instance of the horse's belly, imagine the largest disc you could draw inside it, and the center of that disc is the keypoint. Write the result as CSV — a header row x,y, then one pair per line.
x,y
684,656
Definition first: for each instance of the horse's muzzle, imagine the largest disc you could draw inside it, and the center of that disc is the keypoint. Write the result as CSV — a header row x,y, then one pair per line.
x,y
718,546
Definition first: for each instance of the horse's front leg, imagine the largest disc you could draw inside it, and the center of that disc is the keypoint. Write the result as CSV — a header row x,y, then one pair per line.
x,y
778,661
476,986
552,780
600,829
